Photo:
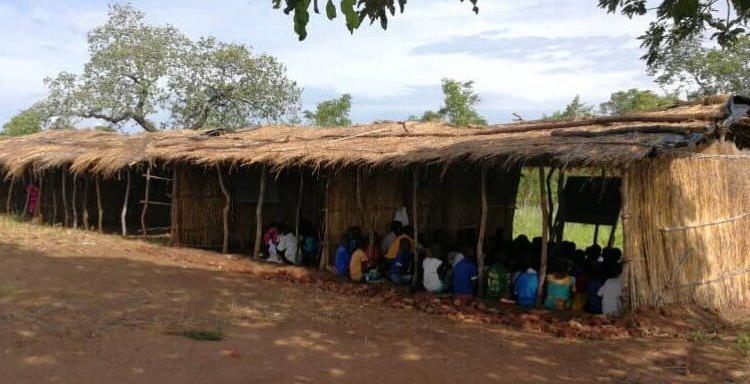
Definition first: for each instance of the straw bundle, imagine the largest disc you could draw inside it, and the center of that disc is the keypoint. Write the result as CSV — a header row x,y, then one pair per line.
x,y
686,223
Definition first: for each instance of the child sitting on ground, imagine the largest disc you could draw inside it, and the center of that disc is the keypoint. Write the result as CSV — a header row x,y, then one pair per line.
x,y
434,271
611,291
465,275
560,287
526,283
343,257
358,262
400,266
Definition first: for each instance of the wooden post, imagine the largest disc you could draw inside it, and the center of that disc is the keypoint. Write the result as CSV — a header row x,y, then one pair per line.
x,y
225,216
40,199
144,209
99,207
54,200
611,240
596,233
325,250
299,212
483,229
559,225
415,220
175,205
75,206
545,236
28,197
259,213
9,198
124,212
86,203
64,189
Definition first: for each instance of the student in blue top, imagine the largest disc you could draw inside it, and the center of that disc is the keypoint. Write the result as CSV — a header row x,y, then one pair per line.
x,y
526,284
465,275
343,257
402,262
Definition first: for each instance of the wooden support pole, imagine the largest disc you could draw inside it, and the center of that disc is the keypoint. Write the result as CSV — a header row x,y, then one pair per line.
x,y
550,202
596,234
86,203
54,200
612,233
28,197
325,250
225,213
545,237
40,199
259,213
482,229
124,212
144,210
559,225
175,208
64,190
75,205
415,220
99,207
9,198
298,219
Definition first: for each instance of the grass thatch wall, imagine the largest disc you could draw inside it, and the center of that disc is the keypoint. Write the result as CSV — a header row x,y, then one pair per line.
x,y
707,265
198,203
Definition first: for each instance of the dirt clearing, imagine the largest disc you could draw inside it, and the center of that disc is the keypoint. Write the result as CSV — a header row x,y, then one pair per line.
x,y
78,307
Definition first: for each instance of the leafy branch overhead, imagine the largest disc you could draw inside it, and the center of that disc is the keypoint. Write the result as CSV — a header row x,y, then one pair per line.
x,y
354,12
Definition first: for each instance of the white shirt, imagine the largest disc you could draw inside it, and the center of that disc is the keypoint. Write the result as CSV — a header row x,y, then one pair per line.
x,y
431,279
401,216
610,293
288,245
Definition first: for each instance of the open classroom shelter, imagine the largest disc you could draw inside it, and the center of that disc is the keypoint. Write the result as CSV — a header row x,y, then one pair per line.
x,y
676,180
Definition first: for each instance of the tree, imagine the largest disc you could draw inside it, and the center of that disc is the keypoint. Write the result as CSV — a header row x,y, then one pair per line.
x,y
676,20
26,122
222,85
575,110
698,71
137,70
634,100
332,113
459,102
353,11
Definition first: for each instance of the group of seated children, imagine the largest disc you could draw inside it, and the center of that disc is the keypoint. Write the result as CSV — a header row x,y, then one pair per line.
x,y
580,280
281,245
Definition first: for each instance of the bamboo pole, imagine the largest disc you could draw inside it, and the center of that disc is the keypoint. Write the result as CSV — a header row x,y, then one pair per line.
x,y
545,236
225,213
259,213
124,212
144,210
482,229
99,207
325,249
64,191
415,221
299,212
9,199
75,206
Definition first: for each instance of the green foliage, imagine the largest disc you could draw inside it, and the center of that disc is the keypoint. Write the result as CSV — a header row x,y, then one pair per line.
x,y
331,113
634,100
459,105
699,71
678,21
354,11
26,122
137,69
742,344
575,110
204,335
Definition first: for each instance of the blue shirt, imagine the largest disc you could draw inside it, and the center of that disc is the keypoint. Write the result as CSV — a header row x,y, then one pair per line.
x,y
341,261
593,301
525,288
401,263
464,273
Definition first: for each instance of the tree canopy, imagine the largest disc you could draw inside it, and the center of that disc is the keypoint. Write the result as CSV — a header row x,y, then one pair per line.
x,y
459,105
576,109
634,100
331,113
676,20
137,69
26,122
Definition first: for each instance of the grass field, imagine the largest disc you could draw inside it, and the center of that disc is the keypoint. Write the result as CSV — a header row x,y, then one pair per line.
x,y
528,221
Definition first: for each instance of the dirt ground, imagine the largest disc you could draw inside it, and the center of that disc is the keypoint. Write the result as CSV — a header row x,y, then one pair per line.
x,y
79,307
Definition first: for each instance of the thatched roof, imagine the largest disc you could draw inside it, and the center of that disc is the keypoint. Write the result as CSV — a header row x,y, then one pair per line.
x,y
601,141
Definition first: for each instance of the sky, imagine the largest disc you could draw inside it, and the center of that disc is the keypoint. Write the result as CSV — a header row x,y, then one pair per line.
x,y
529,57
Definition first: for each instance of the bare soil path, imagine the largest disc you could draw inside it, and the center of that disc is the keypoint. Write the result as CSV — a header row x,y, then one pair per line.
x,y
78,307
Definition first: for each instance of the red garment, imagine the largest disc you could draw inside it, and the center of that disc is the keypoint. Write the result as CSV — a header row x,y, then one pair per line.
x,y
33,193
272,234
373,255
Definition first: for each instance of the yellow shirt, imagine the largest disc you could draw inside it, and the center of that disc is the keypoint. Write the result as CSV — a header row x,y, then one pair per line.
x,y
355,265
393,250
